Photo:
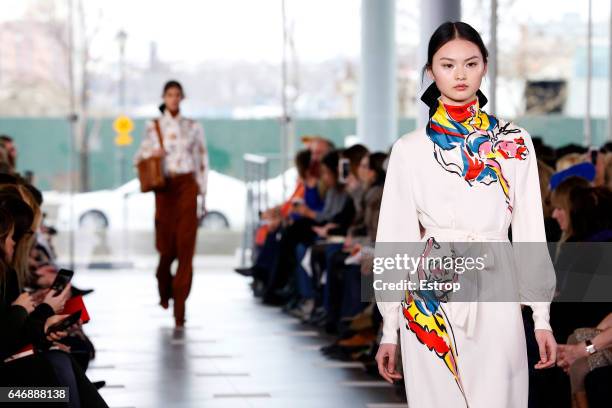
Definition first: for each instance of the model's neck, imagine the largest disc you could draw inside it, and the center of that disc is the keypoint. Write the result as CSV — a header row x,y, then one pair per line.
x,y
462,112
451,102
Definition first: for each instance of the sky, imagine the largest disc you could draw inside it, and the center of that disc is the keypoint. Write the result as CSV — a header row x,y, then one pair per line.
x,y
196,31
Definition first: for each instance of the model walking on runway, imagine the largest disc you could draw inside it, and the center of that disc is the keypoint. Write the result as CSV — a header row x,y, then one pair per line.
x,y
466,177
183,148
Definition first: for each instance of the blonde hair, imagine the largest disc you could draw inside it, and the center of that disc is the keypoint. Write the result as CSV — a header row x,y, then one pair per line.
x,y
560,198
569,160
545,173
23,250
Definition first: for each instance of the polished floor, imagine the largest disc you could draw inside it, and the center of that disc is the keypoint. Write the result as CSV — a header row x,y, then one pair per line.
x,y
234,351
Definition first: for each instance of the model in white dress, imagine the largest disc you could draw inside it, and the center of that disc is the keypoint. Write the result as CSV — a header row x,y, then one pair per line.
x,y
466,177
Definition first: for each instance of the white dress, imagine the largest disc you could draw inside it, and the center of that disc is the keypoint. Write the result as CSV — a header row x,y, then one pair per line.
x,y
487,345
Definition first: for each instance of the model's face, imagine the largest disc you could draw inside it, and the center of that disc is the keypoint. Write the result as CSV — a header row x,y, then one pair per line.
x,y
172,99
458,68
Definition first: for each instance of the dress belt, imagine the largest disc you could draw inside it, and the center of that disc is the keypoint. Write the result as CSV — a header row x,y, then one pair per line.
x,y
442,234
464,313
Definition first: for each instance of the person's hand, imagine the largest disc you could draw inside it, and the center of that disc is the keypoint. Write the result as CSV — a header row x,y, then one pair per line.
x,y
320,231
569,353
202,210
55,336
299,208
347,245
38,296
62,347
57,302
548,349
26,301
45,275
385,357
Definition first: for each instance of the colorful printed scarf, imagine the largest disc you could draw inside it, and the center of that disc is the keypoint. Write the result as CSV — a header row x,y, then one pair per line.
x,y
470,143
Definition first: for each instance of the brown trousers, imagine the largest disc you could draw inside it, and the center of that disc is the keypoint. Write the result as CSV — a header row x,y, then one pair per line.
x,y
176,227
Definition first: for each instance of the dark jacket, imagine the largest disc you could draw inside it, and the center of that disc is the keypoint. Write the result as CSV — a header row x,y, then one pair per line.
x,y
18,328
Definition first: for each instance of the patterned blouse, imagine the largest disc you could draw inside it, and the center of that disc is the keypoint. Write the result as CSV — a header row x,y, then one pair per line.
x,y
185,147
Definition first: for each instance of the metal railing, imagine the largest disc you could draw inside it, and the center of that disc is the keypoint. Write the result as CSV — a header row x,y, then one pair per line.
x,y
257,168
256,173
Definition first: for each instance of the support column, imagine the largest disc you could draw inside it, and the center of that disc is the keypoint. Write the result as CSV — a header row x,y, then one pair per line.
x,y
492,108
377,114
610,77
433,13
588,138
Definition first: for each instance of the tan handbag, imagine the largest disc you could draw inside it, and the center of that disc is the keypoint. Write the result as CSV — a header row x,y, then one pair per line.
x,y
151,170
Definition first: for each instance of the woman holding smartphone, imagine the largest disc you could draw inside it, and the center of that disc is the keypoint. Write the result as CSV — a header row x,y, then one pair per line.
x,y
176,209
466,177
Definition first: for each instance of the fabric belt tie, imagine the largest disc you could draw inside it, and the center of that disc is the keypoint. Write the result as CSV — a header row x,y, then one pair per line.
x,y
464,314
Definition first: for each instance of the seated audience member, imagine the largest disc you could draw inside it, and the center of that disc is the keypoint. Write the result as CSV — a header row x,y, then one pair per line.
x,y
333,219
587,358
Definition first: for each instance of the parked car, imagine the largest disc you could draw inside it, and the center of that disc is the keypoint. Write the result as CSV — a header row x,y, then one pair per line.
x,y
126,207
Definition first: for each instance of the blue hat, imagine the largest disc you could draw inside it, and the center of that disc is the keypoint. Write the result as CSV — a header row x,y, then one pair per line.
x,y
585,170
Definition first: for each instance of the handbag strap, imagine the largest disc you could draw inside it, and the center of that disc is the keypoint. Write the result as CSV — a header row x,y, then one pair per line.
x,y
159,134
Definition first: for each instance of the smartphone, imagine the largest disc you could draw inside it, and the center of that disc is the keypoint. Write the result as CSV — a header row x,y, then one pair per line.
x,y
66,323
344,168
63,278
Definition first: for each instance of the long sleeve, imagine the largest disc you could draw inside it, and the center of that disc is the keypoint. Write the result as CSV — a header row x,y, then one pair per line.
x,y
201,158
12,320
535,271
343,218
20,329
397,222
34,326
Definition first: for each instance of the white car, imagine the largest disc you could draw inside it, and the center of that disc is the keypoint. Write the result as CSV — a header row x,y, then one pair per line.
x,y
126,207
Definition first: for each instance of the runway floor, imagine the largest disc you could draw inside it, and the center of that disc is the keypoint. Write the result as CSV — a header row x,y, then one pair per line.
x,y
234,351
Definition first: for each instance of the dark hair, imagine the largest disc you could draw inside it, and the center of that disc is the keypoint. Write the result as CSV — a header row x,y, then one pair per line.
x,y
15,180
450,31
355,153
302,162
173,84
22,214
6,138
590,211
330,160
6,178
36,194
167,86
377,165
606,148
